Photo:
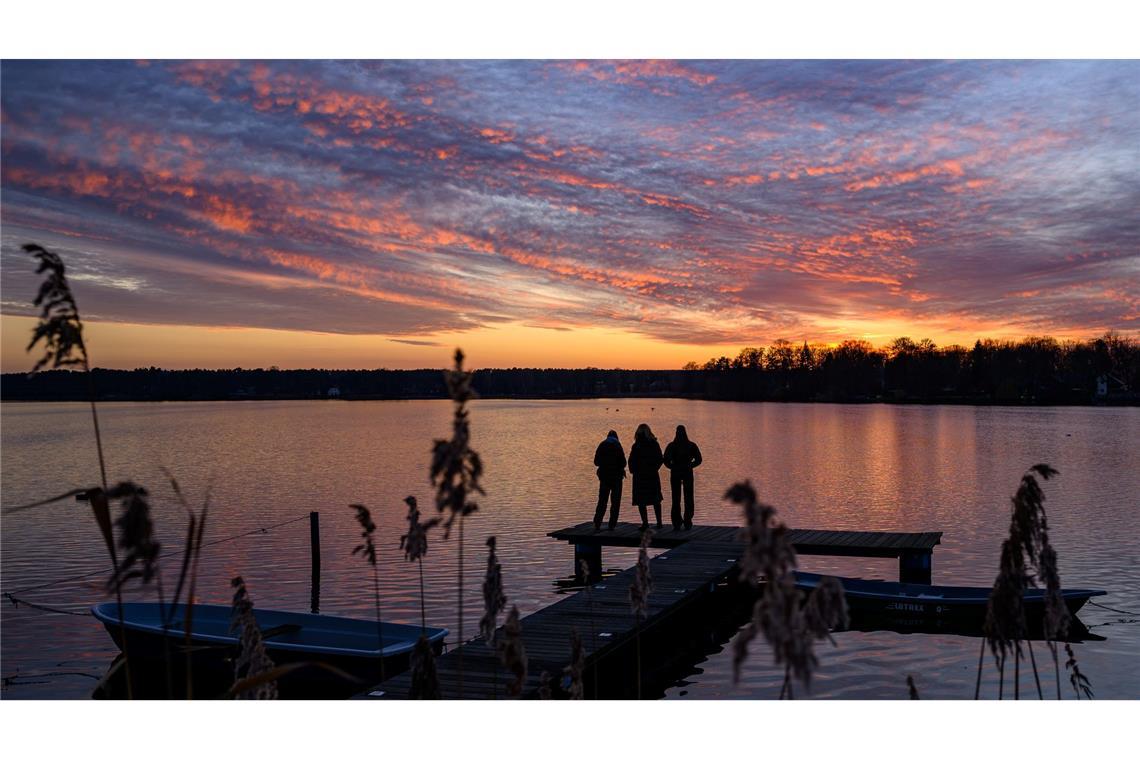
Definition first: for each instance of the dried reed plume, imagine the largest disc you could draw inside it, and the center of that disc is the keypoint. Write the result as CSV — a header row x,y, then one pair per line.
x,y
415,546
1078,680
367,549
572,673
512,652
455,467
789,627
425,678
455,472
639,592
584,568
1027,560
136,536
544,685
252,660
911,688
493,598
642,585
61,331
414,542
59,328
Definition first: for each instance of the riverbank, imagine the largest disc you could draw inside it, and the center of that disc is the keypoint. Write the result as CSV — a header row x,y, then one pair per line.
x,y
238,384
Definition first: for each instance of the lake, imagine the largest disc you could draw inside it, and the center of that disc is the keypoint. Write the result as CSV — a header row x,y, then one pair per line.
x,y
857,467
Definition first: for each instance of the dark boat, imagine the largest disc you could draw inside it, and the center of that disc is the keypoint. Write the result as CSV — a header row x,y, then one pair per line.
x,y
919,601
350,645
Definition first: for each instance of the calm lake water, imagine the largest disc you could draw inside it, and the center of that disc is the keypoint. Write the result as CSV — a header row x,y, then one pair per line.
x,y
874,467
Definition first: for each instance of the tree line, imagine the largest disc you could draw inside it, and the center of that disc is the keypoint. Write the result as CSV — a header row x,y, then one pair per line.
x,y
1032,370
1038,370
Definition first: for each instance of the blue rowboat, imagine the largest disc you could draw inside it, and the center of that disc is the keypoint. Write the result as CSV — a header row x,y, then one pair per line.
x,y
352,645
936,602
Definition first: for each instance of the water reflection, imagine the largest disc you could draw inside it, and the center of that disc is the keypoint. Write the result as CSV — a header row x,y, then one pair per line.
x,y
870,467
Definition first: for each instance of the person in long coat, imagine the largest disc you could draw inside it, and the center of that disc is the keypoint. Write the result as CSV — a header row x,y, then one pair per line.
x,y
609,458
681,457
644,462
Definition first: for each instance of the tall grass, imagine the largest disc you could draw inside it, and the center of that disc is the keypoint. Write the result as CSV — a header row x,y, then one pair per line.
x,y
494,600
425,678
367,549
639,592
60,329
573,672
455,472
790,627
415,546
513,652
253,668
584,567
1028,560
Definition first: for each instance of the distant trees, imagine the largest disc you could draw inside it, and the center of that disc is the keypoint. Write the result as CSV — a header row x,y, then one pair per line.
x,y
1037,369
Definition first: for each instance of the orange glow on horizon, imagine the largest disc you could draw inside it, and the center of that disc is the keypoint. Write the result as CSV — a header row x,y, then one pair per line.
x,y
128,346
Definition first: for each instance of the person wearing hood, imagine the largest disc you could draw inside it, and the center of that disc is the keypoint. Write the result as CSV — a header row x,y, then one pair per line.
x,y
681,457
609,458
644,462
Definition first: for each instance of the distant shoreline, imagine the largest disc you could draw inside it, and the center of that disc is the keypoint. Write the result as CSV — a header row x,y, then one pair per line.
x,y
1109,403
841,384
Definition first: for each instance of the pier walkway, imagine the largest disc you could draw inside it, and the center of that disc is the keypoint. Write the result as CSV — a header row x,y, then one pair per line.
x,y
686,580
914,550
694,582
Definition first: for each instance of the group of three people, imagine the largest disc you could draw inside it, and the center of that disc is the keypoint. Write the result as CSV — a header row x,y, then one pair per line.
x,y
681,457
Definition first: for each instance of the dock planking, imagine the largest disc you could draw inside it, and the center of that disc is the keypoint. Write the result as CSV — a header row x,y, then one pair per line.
x,y
806,541
697,571
913,550
696,574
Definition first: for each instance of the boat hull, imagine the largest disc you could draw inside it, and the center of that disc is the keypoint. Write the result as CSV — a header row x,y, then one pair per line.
x,y
913,601
341,655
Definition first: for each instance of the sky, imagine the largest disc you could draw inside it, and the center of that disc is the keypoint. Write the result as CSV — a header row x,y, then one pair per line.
x,y
566,213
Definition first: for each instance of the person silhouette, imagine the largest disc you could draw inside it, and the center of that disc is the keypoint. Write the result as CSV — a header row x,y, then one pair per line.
x,y
682,456
609,458
644,462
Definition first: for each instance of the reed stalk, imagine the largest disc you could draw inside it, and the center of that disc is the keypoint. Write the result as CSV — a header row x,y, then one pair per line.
x,y
513,652
61,331
789,626
585,568
494,600
425,678
455,472
253,668
415,546
367,549
639,592
574,670
1028,559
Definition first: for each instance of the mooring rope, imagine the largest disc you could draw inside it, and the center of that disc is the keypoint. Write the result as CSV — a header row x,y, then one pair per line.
x,y
17,602
1113,609
101,571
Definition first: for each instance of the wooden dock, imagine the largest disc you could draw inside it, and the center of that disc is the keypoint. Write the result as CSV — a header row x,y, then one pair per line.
x,y
690,583
913,550
694,584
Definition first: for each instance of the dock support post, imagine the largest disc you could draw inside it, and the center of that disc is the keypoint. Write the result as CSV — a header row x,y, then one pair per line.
x,y
591,554
315,555
915,567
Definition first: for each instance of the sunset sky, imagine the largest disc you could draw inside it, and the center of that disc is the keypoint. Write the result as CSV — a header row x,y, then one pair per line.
x,y
566,213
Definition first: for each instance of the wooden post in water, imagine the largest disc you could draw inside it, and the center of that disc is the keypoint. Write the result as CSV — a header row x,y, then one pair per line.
x,y
915,567
592,555
315,554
